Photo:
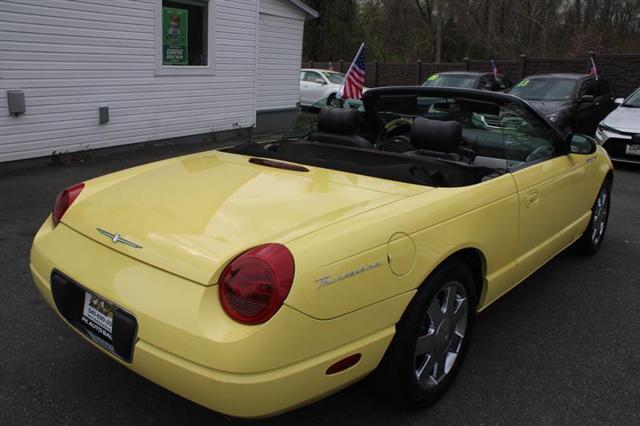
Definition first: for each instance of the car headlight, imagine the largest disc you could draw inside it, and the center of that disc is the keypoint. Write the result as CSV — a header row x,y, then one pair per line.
x,y
604,128
552,117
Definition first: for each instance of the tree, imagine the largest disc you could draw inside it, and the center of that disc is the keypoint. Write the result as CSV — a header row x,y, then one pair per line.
x,y
448,30
330,35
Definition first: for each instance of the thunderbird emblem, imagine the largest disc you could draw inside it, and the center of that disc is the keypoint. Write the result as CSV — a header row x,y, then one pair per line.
x,y
116,238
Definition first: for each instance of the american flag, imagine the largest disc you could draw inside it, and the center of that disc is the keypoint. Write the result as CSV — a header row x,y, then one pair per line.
x,y
593,71
354,80
494,69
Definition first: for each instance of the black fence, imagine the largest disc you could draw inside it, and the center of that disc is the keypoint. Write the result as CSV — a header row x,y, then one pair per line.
x,y
621,71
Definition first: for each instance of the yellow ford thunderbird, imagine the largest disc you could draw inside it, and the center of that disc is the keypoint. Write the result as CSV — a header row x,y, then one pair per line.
x,y
261,277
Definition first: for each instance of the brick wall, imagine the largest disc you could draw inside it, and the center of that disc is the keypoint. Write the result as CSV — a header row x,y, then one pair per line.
x,y
621,71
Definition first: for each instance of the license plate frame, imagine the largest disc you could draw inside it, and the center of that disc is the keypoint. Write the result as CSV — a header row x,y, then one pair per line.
x,y
632,149
97,318
70,298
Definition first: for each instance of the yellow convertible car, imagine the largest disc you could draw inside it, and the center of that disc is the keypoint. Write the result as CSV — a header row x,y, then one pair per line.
x,y
261,277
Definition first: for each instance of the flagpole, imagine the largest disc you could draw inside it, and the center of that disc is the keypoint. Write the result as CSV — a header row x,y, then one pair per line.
x,y
355,58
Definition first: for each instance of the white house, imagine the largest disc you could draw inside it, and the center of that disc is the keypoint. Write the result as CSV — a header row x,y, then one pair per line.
x,y
95,74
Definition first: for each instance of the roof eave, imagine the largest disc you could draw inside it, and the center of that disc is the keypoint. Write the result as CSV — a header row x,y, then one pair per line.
x,y
308,10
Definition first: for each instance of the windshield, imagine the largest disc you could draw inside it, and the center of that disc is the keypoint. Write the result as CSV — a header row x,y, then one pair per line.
x,y
410,136
544,89
451,80
633,101
334,77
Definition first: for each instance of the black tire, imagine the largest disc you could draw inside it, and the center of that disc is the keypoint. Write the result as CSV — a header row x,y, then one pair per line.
x,y
334,102
398,374
588,244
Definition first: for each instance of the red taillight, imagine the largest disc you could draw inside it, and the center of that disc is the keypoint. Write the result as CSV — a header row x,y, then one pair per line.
x,y
254,285
64,200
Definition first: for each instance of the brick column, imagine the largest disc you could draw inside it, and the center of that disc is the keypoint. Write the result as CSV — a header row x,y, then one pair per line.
x,y
523,65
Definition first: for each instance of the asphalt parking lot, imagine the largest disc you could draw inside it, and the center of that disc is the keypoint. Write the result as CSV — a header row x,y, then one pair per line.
x,y
562,348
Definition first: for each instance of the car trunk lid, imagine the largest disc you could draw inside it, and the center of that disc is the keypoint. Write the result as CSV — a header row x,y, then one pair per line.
x,y
191,215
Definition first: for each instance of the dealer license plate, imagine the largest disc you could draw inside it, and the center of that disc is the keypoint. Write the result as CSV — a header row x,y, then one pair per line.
x,y
97,316
632,149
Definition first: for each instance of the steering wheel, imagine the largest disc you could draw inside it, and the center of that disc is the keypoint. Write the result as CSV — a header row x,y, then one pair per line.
x,y
393,133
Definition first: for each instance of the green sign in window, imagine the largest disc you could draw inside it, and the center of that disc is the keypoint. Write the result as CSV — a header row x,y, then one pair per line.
x,y
175,36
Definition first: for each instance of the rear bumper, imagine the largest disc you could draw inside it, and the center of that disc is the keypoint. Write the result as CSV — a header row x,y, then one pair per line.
x,y
244,371
248,395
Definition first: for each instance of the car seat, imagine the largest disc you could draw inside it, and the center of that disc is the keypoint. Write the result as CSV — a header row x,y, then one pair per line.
x,y
439,139
340,127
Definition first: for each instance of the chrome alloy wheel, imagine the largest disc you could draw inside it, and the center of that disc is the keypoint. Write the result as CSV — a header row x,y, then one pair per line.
x,y
600,213
441,334
334,102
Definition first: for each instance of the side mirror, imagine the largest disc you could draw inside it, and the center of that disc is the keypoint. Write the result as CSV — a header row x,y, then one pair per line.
x,y
619,101
586,98
319,81
581,144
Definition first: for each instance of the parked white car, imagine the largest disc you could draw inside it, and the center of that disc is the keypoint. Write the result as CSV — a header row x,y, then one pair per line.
x,y
318,88
619,132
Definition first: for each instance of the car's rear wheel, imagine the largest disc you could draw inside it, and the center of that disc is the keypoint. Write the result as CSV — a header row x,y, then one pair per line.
x,y
432,337
591,241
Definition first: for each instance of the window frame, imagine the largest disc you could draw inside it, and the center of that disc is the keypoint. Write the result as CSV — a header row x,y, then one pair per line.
x,y
483,81
586,85
173,70
542,133
560,147
318,75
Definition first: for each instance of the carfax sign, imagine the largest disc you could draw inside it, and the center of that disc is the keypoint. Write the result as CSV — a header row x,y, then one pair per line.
x,y
175,36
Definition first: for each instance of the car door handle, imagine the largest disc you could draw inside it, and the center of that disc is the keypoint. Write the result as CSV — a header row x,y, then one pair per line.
x,y
532,198
597,103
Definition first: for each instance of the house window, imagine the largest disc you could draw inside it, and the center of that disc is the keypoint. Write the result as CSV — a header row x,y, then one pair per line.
x,y
184,37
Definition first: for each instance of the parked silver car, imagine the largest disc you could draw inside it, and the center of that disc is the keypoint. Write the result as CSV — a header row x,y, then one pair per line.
x,y
619,132
319,88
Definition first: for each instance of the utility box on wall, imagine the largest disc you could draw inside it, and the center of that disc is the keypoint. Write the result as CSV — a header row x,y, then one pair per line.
x,y
15,102
103,114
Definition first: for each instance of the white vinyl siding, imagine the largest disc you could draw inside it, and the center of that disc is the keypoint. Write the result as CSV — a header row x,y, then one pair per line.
x,y
71,57
279,55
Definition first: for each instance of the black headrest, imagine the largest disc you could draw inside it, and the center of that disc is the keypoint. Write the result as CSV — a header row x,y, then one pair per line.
x,y
436,135
340,121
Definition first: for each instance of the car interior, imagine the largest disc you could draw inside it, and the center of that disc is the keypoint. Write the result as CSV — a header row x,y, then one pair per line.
x,y
441,142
